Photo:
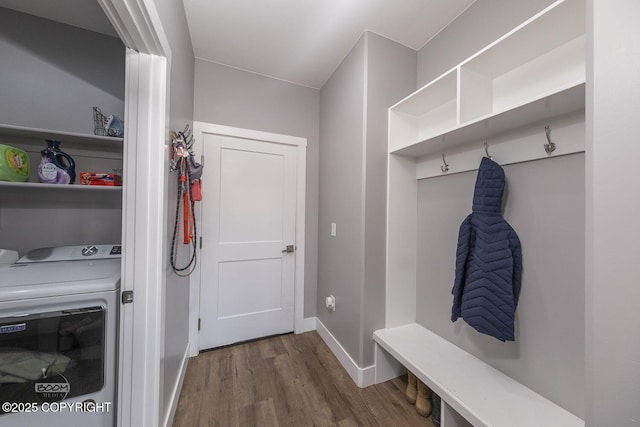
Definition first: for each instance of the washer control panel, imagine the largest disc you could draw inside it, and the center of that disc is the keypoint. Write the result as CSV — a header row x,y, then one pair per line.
x,y
71,253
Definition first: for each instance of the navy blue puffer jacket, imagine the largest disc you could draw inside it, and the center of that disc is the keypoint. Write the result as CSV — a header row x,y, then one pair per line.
x,y
488,261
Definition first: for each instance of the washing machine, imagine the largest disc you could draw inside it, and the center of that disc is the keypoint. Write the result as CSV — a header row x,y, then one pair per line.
x,y
58,337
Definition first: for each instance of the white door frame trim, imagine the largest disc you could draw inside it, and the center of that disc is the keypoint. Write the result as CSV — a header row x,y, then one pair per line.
x,y
138,25
141,349
200,128
143,260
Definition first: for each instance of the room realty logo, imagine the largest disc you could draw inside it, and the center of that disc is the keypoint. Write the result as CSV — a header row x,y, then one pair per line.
x,y
52,389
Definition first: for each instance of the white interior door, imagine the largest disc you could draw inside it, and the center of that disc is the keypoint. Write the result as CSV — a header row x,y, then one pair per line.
x,y
248,219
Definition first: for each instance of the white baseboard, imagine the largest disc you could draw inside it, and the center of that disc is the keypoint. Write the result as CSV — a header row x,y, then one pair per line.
x,y
363,377
309,324
175,395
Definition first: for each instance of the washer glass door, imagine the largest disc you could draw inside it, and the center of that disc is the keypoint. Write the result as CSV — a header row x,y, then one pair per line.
x,y
47,357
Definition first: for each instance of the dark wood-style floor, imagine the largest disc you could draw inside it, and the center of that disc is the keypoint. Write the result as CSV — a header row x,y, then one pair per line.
x,y
290,380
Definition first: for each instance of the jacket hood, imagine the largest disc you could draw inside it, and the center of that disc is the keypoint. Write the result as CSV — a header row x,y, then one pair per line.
x,y
487,196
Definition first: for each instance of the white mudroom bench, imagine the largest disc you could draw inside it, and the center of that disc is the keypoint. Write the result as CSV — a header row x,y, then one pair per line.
x,y
472,392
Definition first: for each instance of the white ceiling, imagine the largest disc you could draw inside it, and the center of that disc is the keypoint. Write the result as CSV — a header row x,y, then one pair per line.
x,y
304,41
300,41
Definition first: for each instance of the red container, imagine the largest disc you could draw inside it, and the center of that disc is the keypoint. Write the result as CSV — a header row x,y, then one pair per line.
x,y
99,178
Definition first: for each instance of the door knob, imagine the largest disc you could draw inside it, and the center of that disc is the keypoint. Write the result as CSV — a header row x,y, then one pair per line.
x,y
289,249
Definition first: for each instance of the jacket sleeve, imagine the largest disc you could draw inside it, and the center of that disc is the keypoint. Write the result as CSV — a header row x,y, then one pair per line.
x,y
462,253
516,251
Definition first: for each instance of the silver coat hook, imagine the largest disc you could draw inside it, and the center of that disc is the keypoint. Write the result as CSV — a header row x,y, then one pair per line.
x,y
550,146
486,150
444,168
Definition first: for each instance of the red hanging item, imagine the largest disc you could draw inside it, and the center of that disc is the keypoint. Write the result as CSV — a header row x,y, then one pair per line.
x,y
196,190
189,171
185,219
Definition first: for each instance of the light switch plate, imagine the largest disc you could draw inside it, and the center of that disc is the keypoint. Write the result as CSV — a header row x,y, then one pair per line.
x,y
334,231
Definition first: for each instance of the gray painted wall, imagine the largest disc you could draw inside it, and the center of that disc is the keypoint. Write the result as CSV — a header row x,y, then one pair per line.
x,y
340,258
481,24
613,100
231,97
52,76
180,97
37,219
353,160
545,205
391,75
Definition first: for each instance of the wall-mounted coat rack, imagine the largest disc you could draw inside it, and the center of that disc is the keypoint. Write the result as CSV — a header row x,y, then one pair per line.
x,y
521,145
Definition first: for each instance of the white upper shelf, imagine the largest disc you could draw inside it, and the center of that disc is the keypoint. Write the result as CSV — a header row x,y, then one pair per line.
x,y
86,140
561,103
533,73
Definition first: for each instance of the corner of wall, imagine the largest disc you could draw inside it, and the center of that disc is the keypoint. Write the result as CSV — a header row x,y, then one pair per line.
x,y
362,377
